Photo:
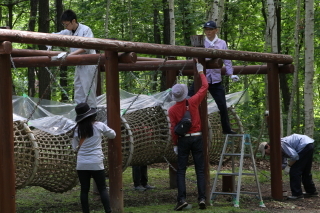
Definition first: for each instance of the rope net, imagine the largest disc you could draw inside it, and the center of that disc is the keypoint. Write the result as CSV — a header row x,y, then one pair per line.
x,y
45,158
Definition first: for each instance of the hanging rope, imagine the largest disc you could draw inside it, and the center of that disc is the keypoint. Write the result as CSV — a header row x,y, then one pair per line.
x,y
155,74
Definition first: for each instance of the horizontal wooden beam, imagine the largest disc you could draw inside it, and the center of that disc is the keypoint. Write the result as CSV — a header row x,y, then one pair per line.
x,y
138,47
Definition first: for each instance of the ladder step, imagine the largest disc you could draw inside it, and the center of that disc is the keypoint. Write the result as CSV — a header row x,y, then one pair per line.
x,y
235,135
234,193
236,154
235,174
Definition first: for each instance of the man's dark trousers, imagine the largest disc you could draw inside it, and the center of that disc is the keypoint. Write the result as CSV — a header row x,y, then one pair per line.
x,y
185,145
300,171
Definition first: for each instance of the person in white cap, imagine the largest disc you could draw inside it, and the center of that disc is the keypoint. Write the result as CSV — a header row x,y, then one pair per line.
x,y
191,142
299,149
216,88
87,142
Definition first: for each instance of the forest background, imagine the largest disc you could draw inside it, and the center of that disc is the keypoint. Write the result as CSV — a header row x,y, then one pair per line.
x,y
274,26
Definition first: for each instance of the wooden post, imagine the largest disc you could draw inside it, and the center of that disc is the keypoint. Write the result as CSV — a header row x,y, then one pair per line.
x,y
274,131
113,118
170,80
7,175
204,129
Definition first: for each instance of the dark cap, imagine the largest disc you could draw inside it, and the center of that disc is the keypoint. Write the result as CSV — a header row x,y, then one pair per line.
x,y
83,111
210,24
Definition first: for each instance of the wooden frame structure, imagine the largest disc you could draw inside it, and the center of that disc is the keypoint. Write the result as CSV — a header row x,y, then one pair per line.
x,y
112,68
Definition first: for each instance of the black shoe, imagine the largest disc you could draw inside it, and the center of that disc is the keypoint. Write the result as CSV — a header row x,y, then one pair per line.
x,y
180,205
202,204
229,132
314,194
295,197
149,187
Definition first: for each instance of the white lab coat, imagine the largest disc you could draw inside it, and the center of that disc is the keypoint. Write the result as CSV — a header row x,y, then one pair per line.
x,y
84,74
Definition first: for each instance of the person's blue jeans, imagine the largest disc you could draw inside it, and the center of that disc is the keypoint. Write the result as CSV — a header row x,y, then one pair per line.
x,y
194,145
99,178
300,171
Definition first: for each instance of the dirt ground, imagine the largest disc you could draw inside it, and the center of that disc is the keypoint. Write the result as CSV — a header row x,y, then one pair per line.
x,y
246,201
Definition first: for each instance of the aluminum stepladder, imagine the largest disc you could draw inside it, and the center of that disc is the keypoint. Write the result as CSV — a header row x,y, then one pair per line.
x,y
245,151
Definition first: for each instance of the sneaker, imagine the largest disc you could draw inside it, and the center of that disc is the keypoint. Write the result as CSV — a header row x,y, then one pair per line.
x,y
314,194
229,132
180,205
295,197
202,204
149,187
139,188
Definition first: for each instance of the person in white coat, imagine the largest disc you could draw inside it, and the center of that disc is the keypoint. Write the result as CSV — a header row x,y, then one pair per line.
x,y
86,141
85,79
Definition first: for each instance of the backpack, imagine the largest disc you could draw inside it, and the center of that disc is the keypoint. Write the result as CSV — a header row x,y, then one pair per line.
x,y
184,124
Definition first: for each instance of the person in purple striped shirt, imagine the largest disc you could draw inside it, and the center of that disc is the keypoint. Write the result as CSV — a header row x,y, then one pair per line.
x,y
214,79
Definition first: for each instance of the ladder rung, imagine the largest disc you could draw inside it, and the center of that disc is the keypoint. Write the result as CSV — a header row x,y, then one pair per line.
x,y
236,154
235,174
235,135
234,193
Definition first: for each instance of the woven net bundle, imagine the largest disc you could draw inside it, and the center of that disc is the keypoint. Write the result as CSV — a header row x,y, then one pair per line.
x,y
150,129
57,162
218,138
25,154
47,160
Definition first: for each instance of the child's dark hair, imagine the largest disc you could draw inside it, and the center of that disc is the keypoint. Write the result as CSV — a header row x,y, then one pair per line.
x,y
68,15
85,128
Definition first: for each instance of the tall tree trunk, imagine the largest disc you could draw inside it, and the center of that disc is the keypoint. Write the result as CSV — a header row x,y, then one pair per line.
x,y
31,27
172,23
296,68
309,69
213,13
106,24
166,22
130,20
43,75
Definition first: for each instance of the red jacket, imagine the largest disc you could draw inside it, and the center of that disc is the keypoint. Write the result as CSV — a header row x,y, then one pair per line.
x,y
177,111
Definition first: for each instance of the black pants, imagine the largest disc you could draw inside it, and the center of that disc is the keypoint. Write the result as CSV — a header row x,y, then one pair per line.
x,y
99,178
300,171
185,145
218,94
140,175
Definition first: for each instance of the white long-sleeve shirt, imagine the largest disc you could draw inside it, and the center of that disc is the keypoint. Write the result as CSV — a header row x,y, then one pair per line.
x,y
90,155
293,144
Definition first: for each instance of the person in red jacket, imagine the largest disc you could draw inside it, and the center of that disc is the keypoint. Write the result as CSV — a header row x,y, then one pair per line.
x,y
192,141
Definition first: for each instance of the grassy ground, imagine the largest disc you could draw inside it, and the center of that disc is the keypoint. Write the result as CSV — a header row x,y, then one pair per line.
x,y
160,200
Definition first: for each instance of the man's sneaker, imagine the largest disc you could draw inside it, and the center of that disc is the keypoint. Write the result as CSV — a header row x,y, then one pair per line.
x,y
314,194
229,132
295,197
202,204
140,188
180,205
149,187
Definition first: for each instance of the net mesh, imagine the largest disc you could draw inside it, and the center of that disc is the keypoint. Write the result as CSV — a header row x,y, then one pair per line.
x,y
47,160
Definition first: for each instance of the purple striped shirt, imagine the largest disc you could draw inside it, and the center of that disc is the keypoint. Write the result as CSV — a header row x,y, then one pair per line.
x,y
214,75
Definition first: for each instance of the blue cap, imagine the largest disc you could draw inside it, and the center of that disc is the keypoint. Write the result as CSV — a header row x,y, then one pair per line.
x,y
210,24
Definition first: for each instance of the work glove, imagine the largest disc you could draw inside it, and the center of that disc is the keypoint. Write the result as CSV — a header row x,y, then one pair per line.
x,y
62,55
199,67
49,47
287,169
175,149
234,78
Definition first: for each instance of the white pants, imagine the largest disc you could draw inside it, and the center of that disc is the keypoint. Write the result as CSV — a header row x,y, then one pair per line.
x,y
82,81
